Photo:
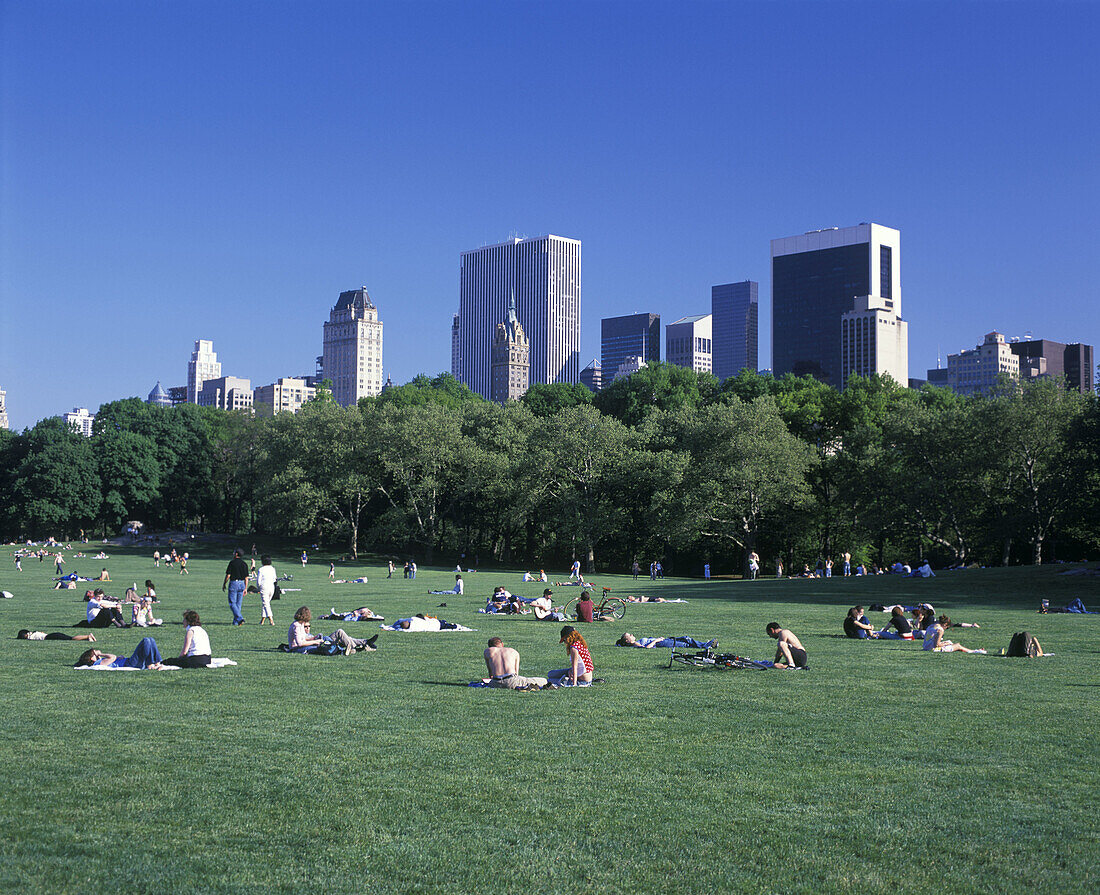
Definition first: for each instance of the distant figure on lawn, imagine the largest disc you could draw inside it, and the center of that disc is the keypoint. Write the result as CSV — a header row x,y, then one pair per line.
x,y
856,625
665,642
790,652
585,607
301,640
574,570
53,635
236,578
265,583
458,588
103,576
502,663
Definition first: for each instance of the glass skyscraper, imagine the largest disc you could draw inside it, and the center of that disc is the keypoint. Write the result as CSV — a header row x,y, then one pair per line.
x,y
635,335
735,327
816,278
544,275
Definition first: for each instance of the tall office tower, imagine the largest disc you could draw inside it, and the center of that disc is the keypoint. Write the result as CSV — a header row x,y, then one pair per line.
x,y
352,357
226,393
81,420
816,279
202,366
3,409
544,275
734,309
1070,363
455,347
978,370
873,339
159,396
592,376
635,335
688,343
511,363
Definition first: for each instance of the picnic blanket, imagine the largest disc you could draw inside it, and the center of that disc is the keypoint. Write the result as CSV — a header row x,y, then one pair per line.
x,y
214,663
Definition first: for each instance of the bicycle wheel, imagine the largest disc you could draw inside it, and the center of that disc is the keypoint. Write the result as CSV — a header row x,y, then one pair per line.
x,y
569,610
615,607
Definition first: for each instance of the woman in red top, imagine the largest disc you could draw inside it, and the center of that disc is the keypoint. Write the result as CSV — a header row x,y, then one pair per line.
x,y
580,661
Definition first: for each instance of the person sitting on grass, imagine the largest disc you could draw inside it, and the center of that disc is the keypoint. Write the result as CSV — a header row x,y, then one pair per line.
x,y
146,655
579,672
362,614
150,592
103,576
142,615
458,588
856,625
301,640
902,629
934,640
503,665
665,642
196,644
544,608
24,634
103,611
790,652
585,607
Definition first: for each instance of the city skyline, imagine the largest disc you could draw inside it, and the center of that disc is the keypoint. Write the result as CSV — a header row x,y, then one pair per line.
x,y
225,189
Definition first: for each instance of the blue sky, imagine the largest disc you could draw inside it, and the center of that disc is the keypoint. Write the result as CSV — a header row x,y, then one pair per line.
x,y
222,170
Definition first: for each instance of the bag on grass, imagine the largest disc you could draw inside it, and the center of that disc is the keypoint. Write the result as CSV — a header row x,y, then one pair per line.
x,y
277,593
1023,645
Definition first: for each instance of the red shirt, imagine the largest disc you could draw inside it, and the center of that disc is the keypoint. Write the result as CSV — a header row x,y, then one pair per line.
x,y
585,657
584,610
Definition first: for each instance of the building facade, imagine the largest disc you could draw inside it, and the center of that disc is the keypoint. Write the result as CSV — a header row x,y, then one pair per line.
x,y
688,343
979,370
202,366
79,419
510,366
226,393
159,396
285,395
634,335
873,339
592,375
543,274
455,347
352,358
629,367
1073,364
816,279
3,409
735,324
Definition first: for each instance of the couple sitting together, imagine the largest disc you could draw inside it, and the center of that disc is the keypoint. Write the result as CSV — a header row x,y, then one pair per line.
x,y
301,640
503,665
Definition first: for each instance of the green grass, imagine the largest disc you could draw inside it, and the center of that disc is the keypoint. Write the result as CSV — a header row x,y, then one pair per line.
x,y
882,769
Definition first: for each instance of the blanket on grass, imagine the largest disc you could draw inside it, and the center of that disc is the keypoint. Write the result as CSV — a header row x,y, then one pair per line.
x,y
431,630
214,663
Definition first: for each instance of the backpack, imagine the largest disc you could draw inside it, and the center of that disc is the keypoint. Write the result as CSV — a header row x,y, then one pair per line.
x,y
1023,645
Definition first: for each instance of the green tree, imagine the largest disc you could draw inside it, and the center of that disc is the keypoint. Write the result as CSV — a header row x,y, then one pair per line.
x,y
129,473
656,386
56,487
545,399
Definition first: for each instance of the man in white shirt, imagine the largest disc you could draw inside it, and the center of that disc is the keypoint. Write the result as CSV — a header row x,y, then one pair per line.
x,y
265,583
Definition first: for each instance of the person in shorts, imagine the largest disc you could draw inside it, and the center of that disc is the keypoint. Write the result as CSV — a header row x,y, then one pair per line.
x,y
790,653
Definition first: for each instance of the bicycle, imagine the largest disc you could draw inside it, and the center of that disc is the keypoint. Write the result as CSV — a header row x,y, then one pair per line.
x,y
709,659
608,607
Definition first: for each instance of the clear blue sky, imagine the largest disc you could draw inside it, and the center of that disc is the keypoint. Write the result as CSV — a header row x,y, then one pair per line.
x,y
222,170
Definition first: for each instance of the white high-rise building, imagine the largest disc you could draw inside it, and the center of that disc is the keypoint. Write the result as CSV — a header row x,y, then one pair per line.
x,y
688,343
202,366
352,358
81,420
286,395
544,275
226,393
873,339
3,409
979,369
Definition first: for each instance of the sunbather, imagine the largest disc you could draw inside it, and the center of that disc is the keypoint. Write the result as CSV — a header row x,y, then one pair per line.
x,y
902,630
580,667
196,644
301,640
503,665
362,614
665,642
934,640
458,588
790,653
24,634
421,622
145,656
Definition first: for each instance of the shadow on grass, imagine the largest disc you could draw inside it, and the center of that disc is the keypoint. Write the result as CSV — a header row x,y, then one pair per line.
x,y
442,683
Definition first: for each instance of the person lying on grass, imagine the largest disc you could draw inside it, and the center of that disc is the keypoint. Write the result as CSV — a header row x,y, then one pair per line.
x,y
643,599
146,655
502,663
580,661
935,642
421,622
665,642
790,652
856,625
24,634
362,614
301,640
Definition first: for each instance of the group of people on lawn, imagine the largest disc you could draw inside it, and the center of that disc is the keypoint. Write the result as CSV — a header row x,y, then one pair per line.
x,y
922,623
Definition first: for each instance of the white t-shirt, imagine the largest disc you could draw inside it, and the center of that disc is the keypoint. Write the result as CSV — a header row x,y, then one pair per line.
x,y
200,642
930,636
36,635
459,586
420,624
265,579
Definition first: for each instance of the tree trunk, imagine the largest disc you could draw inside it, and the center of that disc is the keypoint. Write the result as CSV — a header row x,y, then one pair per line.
x,y
591,560
1005,550
1037,550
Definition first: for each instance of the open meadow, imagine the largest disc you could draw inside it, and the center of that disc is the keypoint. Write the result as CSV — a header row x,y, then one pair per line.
x,y
880,769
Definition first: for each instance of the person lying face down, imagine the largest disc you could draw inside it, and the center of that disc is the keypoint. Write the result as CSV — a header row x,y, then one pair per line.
x,y
421,622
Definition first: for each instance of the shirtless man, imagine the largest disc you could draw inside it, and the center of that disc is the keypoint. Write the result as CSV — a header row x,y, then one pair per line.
x,y
503,664
790,653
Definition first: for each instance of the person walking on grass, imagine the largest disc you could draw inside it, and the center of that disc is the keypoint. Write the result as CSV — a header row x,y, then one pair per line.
x,y
331,572
236,577
265,583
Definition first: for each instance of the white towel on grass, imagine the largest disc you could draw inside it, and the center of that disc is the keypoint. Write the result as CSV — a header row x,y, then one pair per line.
x,y
214,663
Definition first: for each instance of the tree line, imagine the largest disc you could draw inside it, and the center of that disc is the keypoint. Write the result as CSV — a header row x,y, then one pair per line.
x,y
665,464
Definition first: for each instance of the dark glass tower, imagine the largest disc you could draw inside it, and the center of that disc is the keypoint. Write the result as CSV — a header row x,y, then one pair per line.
x,y
735,327
635,335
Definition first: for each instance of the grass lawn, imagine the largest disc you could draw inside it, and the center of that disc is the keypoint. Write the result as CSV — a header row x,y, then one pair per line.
x,y
881,769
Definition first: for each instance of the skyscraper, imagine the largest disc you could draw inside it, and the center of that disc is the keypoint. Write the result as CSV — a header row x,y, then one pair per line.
x,y
873,340
688,343
3,409
635,335
202,366
592,375
1042,357
544,275
511,364
816,279
734,311
352,358
455,347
